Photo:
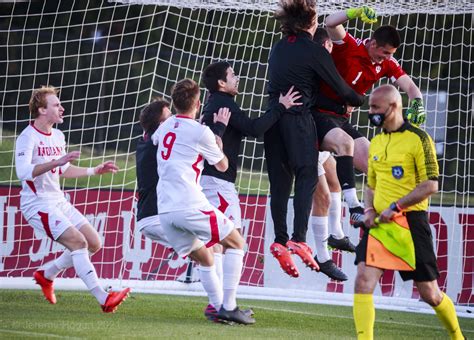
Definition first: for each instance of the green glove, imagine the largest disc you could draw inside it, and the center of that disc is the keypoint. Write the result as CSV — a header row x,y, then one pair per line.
x,y
416,112
365,13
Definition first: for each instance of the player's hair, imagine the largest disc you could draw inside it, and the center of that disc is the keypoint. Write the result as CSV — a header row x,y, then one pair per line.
x,y
213,73
321,36
150,116
296,15
184,94
387,35
38,99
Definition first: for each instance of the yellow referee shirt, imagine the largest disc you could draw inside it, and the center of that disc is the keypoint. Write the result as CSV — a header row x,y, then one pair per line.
x,y
398,162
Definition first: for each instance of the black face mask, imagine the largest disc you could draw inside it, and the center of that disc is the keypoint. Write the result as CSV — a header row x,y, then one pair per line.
x,y
377,119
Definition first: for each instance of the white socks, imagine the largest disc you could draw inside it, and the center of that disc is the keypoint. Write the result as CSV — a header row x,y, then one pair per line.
x,y
320,231
86,271
232,270
211,284
334,221
218,264
351,197
53,268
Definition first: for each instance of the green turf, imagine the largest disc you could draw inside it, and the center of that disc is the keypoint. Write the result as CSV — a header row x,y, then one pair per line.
x,y
25,314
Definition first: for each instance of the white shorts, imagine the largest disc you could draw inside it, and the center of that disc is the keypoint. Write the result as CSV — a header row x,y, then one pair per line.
x,y
223,196
189,230
323,157
151,227
53,220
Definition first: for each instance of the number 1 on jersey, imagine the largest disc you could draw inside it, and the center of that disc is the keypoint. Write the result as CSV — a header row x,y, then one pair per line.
x,y
168,142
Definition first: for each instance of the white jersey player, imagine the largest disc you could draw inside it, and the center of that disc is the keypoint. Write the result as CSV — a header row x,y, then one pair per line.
x,y
40,160
190,222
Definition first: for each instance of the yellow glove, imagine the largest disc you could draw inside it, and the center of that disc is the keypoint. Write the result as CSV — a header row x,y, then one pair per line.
x,y
365,13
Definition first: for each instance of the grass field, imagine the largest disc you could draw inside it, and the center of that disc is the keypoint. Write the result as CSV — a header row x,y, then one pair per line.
x,y
25,314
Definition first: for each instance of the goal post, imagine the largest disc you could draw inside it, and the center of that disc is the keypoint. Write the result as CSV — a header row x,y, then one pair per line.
x,y
110,59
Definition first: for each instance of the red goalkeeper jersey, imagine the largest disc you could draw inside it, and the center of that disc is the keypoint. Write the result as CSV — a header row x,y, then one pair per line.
x,y
358,70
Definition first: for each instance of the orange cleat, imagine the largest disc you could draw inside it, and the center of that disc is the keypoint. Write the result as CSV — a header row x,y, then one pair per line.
x,y
304,251
46,286
283,256
114,300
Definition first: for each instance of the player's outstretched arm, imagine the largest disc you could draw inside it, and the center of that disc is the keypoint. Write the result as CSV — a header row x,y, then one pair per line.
x,y
75,171
416,112
334,21
45,167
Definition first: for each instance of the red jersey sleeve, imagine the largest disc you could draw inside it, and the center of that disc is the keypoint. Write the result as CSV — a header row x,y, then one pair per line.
x,y
348,42
394,70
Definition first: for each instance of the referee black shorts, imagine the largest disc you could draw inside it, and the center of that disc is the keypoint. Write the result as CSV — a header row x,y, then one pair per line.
x,y
325,122
426,266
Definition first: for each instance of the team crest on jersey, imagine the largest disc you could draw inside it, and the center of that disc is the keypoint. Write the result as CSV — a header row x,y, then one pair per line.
x,y
376,158
397,172
378,68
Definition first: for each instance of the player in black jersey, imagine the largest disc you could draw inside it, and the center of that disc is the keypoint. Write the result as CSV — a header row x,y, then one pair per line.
x,y
291,148
219,187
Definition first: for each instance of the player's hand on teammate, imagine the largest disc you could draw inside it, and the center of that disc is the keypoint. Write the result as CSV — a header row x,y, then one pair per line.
x,y
71,156
416,112
219,142
106,167
222,116
365,13
288,100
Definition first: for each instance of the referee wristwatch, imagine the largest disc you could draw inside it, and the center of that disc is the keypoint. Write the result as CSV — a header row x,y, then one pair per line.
x,y
395,207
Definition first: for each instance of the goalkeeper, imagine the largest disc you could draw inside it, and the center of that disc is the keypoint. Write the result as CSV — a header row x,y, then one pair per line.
x,y
403,174
361,63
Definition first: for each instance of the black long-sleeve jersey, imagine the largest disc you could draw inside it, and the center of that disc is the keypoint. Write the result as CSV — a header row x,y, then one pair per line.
x,y
240,125
297,60
147,177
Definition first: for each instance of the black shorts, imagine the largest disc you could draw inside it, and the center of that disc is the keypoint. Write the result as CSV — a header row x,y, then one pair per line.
x,y
325,122
426,266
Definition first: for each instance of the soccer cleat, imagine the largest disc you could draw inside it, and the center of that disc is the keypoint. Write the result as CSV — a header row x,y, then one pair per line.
x,y
114,299
281,253
330,269
304,251
211,314
46,286
356,214
236,315
344,244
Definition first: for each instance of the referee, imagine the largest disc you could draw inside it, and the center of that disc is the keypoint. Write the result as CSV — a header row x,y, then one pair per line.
x,y
291,148
403,174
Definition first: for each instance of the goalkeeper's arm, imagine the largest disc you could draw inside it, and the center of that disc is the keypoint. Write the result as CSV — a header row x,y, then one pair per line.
x,y
334,21
416,112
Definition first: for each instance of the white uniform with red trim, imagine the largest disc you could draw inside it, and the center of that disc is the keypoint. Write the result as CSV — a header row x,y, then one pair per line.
x,y
189,220
42,201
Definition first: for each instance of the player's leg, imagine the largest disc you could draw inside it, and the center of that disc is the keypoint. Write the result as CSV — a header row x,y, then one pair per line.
x,y
319,225
361,154
363,309
443,306
280,176
300,137
337,239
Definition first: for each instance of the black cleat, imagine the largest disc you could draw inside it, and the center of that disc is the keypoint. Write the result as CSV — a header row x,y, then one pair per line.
x,y
331,270
342,244
356,215
236,315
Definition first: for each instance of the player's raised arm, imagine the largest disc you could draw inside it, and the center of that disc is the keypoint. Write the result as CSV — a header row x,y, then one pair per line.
x,y
334,21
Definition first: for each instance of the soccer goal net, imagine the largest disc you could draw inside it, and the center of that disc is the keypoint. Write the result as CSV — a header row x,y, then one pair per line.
x,y
110,59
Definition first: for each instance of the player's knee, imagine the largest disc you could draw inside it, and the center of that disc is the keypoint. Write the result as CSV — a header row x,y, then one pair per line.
x,y
234,240
345,146
432,297
94,246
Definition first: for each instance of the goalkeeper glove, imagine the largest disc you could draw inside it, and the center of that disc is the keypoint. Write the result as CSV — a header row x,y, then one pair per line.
x,y
416,112
365,13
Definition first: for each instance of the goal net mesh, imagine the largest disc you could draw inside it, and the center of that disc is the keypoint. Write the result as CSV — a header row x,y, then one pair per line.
x,y
111,59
